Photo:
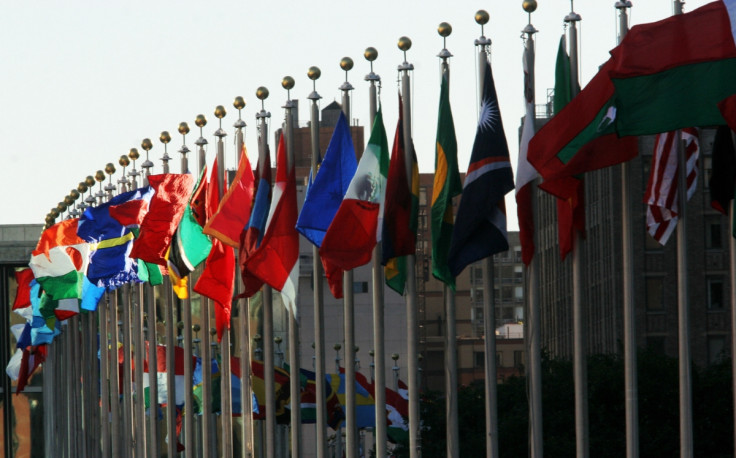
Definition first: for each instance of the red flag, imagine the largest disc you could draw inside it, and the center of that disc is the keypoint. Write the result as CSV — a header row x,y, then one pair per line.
x,y
32,358
167,207
233,212
218,277
277,257
23,294
570,212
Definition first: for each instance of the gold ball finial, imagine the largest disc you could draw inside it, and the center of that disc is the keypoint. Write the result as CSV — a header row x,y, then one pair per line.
x,y
54,212
337,347
61,206
346,64
82,186
201,121
239,103
404,43
124,161
90,180
183,128
74,194
262,93
220,112
49,220
482,17
164,137
444,29
287,83
370,54
278,339
180,325
68,200
314,73
99,176
529,6
196,328
395,356
133,154
372,352
213,331
257,337
110,168
146,144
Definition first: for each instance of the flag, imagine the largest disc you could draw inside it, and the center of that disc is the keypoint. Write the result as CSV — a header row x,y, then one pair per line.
x,y
399,228
218,277
162,374
60,260
110,263
281,389
446,185
571,209
189,246
22,303
234,210
661,195
365,411
325,194
480,225
167,207
397,413
525,172
723,178
252,235
13,367
43,330
276,260
33,357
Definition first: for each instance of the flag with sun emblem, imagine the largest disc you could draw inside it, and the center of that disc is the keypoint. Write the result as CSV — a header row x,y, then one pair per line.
x,y
480,225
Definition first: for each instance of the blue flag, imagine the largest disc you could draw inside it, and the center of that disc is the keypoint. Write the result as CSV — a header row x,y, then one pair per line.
x,y
480,225
325,194
110,263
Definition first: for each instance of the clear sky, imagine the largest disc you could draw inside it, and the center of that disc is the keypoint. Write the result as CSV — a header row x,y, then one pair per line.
x,y
82,82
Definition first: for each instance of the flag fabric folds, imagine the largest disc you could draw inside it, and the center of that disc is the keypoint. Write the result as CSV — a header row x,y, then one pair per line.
x,y
525,172
23,279
276,260
480,225
162,374
325,194
446,185
722,183
281,389
356,227
233,211
661,195
171,193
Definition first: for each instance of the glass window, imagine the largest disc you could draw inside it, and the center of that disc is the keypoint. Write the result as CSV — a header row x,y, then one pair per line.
x,y
479,359
715,293
716,347
654,294
713,233
360,287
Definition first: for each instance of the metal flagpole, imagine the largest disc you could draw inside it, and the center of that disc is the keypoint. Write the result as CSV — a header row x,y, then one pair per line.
x,y
186,316
226,406
489,313
532,334
338,432
683,328
732,275
452,434
351,429
244,325
207,418
411,279
580,337
630,372
380,436
267,303
296,415
318,291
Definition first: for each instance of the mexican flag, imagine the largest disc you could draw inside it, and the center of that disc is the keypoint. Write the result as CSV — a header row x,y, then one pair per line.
x,y
664,76
60,260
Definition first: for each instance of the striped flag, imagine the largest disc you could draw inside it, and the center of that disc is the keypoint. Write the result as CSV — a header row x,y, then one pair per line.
x,y
661,195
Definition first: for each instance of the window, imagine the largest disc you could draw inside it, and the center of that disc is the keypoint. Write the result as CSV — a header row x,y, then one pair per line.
x,y
423,196
518,273
716,347
713,233
479,359
360,287
518,293
707,171
715,293
518,359
654,294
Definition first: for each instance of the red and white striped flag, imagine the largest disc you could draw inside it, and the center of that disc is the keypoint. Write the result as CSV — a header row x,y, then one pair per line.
x,y
661,194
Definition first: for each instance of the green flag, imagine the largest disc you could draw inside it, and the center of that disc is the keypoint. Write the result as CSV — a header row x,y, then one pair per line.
x,y
446,186
563,81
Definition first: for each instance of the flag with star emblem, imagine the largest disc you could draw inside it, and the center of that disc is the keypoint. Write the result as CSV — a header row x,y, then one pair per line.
x,y
480,225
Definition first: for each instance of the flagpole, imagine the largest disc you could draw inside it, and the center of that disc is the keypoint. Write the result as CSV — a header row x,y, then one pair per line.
x,y
127,389
351,429
683,328
318,294
244,327
226,405
489,315
207,419
296,417
415,447
580,338
267,303
627,267
451,433
380,436
732,275
186,316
